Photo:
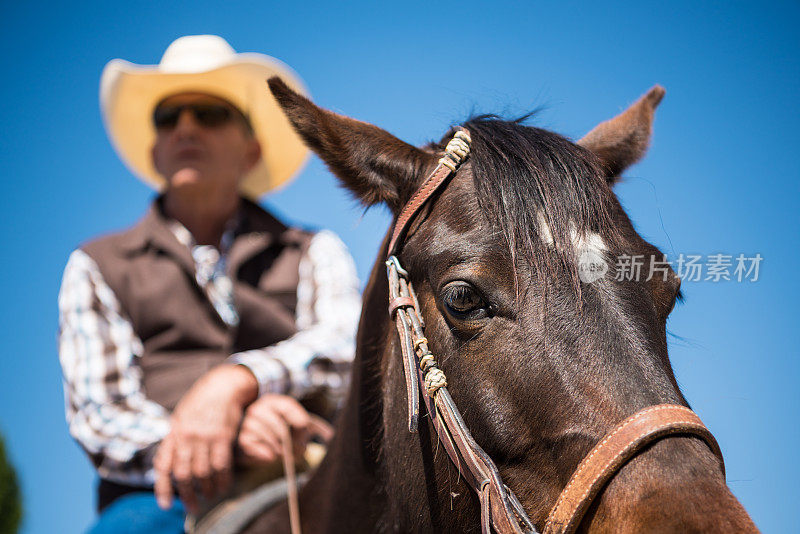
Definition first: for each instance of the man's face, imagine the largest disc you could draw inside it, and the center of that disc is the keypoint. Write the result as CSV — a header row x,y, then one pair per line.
x,y
199,146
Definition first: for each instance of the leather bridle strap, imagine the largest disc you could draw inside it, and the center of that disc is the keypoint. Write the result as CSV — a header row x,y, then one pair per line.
x,y
618,446
456,152
499,507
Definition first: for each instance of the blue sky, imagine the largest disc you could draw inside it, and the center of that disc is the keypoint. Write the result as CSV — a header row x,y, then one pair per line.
x,y
720,177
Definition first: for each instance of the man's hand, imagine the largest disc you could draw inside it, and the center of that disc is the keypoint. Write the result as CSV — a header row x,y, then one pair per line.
x,y
265,424
198,449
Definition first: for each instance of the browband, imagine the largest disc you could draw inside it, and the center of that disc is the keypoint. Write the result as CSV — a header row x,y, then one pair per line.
x,y
456,152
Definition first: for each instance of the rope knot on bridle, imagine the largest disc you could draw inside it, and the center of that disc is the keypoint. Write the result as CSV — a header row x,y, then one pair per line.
x,y
457,150
434,379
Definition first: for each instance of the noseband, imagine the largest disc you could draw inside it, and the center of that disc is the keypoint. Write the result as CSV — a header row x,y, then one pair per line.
x,y
500,509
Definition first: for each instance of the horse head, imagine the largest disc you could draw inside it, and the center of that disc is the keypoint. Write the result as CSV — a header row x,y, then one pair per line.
x,y
545,349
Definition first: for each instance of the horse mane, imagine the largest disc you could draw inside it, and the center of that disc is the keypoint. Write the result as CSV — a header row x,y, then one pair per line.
x,y
524,176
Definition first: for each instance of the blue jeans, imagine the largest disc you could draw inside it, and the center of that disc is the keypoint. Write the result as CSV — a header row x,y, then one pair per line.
x,y
138,513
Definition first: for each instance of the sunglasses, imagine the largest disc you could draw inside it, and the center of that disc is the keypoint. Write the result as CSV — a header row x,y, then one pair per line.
x,y
206,115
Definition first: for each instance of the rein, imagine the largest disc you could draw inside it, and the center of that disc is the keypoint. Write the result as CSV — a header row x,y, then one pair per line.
x,y
319,428
500,508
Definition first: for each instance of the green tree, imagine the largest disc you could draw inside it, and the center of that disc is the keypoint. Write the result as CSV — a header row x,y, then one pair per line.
x,y
10,503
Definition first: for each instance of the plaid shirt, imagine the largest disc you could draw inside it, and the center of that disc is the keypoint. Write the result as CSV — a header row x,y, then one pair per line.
x,y
107,410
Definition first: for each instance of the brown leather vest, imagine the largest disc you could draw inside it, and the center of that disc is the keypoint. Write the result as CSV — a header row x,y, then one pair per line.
x,y
153,277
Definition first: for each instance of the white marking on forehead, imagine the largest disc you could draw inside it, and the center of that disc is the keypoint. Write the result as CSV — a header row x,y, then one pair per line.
x,y
544,230
589,241
589,251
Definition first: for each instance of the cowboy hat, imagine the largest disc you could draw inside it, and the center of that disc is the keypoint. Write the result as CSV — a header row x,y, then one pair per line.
x,y
202,64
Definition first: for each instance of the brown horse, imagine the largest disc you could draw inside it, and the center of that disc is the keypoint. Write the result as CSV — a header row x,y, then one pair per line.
x,y
541,362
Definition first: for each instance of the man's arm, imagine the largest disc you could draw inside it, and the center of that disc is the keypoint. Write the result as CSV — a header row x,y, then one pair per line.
x,y
107,411
319,355
198,449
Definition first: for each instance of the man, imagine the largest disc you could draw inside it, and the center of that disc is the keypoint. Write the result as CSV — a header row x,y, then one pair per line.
x,y
187,340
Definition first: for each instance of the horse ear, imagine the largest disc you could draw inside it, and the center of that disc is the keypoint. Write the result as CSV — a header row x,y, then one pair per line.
x,y
370,162
623,140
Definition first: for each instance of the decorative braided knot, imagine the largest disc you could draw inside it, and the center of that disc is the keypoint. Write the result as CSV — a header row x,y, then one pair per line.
x,y
434,379
457,150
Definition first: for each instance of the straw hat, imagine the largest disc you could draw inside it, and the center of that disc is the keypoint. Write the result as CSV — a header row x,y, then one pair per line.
x,y
202,64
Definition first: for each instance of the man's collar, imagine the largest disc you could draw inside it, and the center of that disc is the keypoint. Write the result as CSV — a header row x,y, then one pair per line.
x,y
154,230
257,230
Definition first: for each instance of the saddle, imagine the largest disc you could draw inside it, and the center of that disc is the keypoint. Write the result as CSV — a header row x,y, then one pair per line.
x,y
255,491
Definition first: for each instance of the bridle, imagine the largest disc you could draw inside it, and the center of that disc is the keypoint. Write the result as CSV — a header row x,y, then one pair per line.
x,y
500,509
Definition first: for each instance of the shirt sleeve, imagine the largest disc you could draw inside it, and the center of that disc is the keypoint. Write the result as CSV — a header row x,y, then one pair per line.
x,y
320,354
107,411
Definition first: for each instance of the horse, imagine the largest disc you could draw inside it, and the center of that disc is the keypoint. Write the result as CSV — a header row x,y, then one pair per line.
x,y
542,361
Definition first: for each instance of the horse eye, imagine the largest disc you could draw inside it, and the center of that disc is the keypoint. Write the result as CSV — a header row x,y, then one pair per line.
x,y
462,301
